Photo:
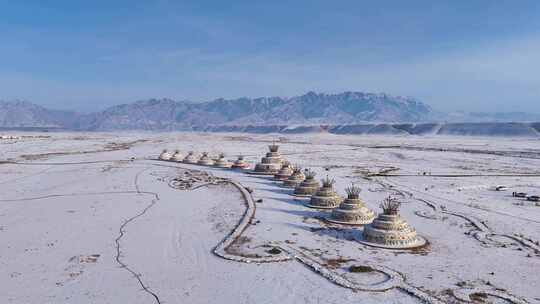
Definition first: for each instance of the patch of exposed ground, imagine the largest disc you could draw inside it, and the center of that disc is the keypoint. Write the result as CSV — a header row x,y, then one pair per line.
x,y
111,146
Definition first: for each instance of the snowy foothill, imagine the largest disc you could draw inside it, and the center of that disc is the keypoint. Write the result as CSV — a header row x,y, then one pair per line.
x,y
98,218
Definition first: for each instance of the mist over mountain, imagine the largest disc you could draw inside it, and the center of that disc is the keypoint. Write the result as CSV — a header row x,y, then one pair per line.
x,y
348,108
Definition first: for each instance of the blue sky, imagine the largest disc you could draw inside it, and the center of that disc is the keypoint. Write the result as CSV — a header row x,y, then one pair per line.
x,y
454,55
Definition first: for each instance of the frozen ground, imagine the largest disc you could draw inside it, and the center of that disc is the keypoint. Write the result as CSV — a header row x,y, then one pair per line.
x,y
92,218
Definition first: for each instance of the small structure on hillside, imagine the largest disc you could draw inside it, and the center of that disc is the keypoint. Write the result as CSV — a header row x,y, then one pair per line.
x,y
285,171
308,186
205,160
165,155
352,211
271,163
390,230
501,188
519,194
240,163
222,162
533,198
295,179
177,156
325,197
191,158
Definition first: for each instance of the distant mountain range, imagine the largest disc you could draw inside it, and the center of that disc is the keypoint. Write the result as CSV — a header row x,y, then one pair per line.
x,y
308,109
25,114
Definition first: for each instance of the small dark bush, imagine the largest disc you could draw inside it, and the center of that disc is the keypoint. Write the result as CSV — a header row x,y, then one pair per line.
x,y
360,268
274,251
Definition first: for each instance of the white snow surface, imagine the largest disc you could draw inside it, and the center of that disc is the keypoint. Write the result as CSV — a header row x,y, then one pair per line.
x,y
76,207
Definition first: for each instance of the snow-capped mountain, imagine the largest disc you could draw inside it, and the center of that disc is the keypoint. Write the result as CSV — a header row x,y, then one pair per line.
x,y
20,114
348,108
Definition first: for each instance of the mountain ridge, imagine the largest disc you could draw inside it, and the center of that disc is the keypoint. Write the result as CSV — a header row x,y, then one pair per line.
x,y
346,108
168,114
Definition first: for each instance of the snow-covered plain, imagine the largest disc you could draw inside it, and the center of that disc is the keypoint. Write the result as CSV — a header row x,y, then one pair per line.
x,y
94,218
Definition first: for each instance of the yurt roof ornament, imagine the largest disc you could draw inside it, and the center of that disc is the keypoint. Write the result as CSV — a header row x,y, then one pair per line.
x,y
353,192
390,206
273,147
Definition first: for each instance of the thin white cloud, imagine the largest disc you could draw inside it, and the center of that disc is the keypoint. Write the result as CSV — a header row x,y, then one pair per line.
x,y
501,76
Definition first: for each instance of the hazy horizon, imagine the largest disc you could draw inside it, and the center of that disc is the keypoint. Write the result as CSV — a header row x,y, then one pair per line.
x,y
459,56
105,107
